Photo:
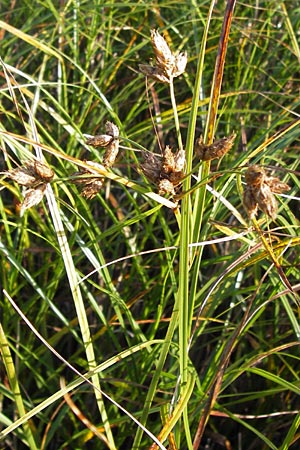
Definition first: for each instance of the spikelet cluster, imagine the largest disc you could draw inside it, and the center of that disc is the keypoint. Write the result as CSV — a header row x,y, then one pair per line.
x,y
217,149
166,172
110,141
34,176
168,65
259,192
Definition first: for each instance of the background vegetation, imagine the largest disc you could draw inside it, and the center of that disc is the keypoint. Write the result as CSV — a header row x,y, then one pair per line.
x,y
108,315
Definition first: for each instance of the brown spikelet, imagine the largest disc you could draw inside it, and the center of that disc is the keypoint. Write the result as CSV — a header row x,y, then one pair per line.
x,y
154,72
151,167
112,129
31,174
266,201
110,141
34,175
166,172
90,186
216,150
100,140
259,192
24,176
43,171
165,186
33,197
90,190
168,64
277,186
112,150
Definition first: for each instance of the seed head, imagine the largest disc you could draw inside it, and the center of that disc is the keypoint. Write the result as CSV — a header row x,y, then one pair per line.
x,y
276,185
168,65
154,72
43,171
33,197
163,55
112,130
111,153
259,190
166,172
180,64
31,174
217,149
151,167
166,186
100,140
91,186
266,201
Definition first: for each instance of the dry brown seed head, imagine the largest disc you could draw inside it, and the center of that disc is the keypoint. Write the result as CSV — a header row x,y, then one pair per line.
x,y
90,190
255,176
166,186
90,185
173,165
179,159
25,176
151,167
180,64
100,140
266,200
43,171
168,64
112,130
111,153
31,174
33,197
249,202
168,163
164,56
276,185
154,72
259,190
215,150
176,178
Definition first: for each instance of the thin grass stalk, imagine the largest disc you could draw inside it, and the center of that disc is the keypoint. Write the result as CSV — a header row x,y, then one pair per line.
x,y
199,202
15,388
173,418
291,31
209,134
292,433
157,373
208,137
74,384
175,115
183,295
80,310
72,278
185,309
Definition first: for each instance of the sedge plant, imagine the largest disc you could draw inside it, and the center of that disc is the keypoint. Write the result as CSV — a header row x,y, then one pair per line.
x,y
149,225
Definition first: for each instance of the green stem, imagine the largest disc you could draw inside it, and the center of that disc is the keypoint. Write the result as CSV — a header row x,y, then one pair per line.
x,y
176,118
13,381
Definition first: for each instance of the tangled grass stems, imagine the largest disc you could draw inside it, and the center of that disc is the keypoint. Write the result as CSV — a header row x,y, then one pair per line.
x,y
213,295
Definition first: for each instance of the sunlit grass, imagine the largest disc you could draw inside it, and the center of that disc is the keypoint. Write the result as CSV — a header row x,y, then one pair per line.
x,y
171,316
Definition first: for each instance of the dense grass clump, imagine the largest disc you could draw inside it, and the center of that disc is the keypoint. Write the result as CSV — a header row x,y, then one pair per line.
x,y
149,225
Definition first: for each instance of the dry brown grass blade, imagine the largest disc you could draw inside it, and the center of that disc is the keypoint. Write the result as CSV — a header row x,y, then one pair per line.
x,y
78,413
219,70
212,115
